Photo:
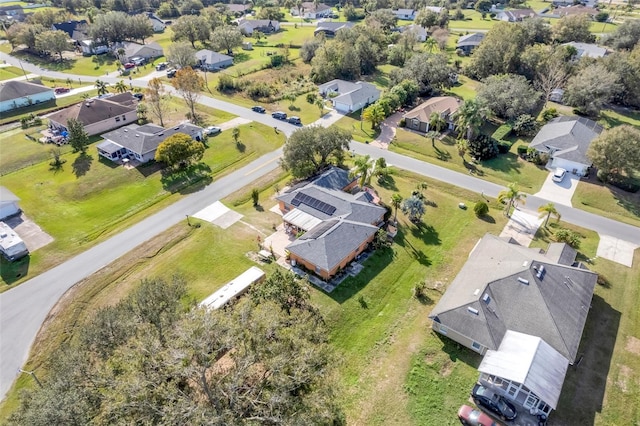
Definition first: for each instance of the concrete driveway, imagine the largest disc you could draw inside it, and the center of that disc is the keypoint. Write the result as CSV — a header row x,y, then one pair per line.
x,y
387,131
559,192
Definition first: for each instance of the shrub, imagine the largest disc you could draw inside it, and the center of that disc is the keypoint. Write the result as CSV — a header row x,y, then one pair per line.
x,y
524,125
259,90
549,114
503,147
402,123
419,290
255,195
483,147
602,16
502,132
226,83
624,183
572,238
481,208
522,149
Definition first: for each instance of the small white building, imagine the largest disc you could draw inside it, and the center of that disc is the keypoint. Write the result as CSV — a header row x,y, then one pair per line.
x,y
234,288
8,203
348,96
11,245
17,94
405,14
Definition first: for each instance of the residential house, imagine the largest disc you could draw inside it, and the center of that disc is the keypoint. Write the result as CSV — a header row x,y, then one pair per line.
x,y
348,96
97,115
469,42
587,3
419,117
157,23
8,203
141,142
566,140
525,310
11,14
516,15
405,14
588,50
17,94
70,26
265,26
330,29
573,10
420,32
136,50
435,9
311,10
337,225
212,61
90,47
239,9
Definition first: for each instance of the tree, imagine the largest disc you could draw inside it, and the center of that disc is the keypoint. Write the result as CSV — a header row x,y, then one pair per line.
x,y
308,49
120,86
626,65
191,28
548,66
431,71
181,54
508,95
511,196
537,30
78,137
414,208
436,122
141,111
481,208
179,150
433,135
616,152
362,168
156,99
499,52
574,28
139,27
382,18
374,114
592,88
102,87
427,18
24,34
226,38
189,85
235,134
396,201
441,35
483,5
625,36
53,41
547,210
470,116
309,149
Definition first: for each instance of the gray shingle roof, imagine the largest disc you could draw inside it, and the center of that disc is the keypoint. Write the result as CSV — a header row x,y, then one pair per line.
x,y
333,26
334,178
18,89
349,93
145,139
210,57
553,306
472,39
567,137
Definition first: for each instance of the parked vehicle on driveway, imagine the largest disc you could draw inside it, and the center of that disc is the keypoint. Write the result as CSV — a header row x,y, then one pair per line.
x,y
279,115
171,73
138,61
473,417
129,65
295,120
59,90
212,130
489,400
558,174
161,66
258,108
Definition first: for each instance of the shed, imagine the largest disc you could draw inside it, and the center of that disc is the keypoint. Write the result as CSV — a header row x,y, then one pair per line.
x,y
233,288
8,203
11,245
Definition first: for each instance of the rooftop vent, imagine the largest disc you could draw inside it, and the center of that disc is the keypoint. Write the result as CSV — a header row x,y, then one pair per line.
x,y
523,281
486,298
473,311
126,130
540,272
477,292
177,128
525,264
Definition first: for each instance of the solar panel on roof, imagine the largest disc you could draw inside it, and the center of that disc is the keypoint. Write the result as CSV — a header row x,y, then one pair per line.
x,y
314,203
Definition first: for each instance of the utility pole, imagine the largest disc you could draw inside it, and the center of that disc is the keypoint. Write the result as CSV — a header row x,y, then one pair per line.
x,y
32,374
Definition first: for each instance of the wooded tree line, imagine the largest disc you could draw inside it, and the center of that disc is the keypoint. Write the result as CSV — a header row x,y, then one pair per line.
x,y
155,359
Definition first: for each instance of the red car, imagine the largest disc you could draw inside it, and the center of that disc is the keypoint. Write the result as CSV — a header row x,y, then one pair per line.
x,y
470,417
129,65
59,90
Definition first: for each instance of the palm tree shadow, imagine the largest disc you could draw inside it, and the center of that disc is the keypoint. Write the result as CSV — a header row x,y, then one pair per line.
x,y
82,164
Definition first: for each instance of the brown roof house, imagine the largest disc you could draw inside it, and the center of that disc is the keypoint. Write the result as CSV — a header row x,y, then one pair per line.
x,y
337,226
419,117
98,115
140,143
525,310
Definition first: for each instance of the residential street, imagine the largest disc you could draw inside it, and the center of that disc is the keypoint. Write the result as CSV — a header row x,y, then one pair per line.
x,y
24,308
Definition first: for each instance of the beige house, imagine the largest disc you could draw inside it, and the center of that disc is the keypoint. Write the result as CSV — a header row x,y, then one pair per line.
x,y
419,117
98,115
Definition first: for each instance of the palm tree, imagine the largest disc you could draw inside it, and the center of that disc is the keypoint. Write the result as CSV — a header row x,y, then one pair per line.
x,y
430,44
420,187
432,135
396,201
120,86
362,168
414,208
235,134
436,122
380,169
470,116
374,114
69,82
102,87
548,210
511,196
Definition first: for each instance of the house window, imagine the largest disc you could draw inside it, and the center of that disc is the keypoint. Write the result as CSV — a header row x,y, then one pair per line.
x,y
124,118
476,346
317,270
117,119
531,401
416,122
443,330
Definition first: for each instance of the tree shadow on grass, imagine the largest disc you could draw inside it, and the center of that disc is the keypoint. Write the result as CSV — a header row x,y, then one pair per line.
x,y
188,180
487,218
375,264
426,233
402,241
82,164
107,163
240,57
442,155
241,147
13,271
505,163
388,183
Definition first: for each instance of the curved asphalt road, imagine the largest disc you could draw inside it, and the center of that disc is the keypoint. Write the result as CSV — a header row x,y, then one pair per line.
x,y
24,308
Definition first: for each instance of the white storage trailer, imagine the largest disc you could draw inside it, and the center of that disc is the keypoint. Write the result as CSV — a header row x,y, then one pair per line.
x,y
234,288
11,245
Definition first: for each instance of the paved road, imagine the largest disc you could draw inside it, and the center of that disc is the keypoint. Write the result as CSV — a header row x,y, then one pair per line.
x,y
24,308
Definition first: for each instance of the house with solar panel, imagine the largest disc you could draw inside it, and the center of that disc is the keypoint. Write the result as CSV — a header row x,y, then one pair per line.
x,y
335,224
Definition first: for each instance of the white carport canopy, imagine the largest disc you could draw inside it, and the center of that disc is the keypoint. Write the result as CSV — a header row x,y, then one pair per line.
x,y
301,220
528,360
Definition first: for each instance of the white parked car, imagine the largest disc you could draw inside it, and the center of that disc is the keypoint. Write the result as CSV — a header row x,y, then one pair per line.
x,y
212,130
558,175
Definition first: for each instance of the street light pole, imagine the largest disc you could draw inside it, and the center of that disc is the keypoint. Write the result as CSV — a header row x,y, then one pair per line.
x,y
188,223
32,374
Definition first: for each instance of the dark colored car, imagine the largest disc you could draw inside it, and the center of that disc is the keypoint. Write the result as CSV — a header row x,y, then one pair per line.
x,y
138,96
279,115
59,90
258,108
171,73
484,398
472,417
161,66
295,120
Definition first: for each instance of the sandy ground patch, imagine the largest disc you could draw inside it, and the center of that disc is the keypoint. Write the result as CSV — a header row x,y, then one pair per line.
x,y
633,345
616,250
32,235
522,227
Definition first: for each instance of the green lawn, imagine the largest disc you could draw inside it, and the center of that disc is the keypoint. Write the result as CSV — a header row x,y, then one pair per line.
x,y
7,73
608,201
19,152
361,130
473,21
465,88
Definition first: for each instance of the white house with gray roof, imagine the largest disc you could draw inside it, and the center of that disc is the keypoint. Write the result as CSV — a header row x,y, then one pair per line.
x,y
141,142
17,94
505,290
566,140
213,61
469,42
588,50
337,226
348,96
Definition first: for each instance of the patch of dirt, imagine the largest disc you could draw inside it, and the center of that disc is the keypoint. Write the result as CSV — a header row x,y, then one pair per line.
x,y
623,379
447,368
633,345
